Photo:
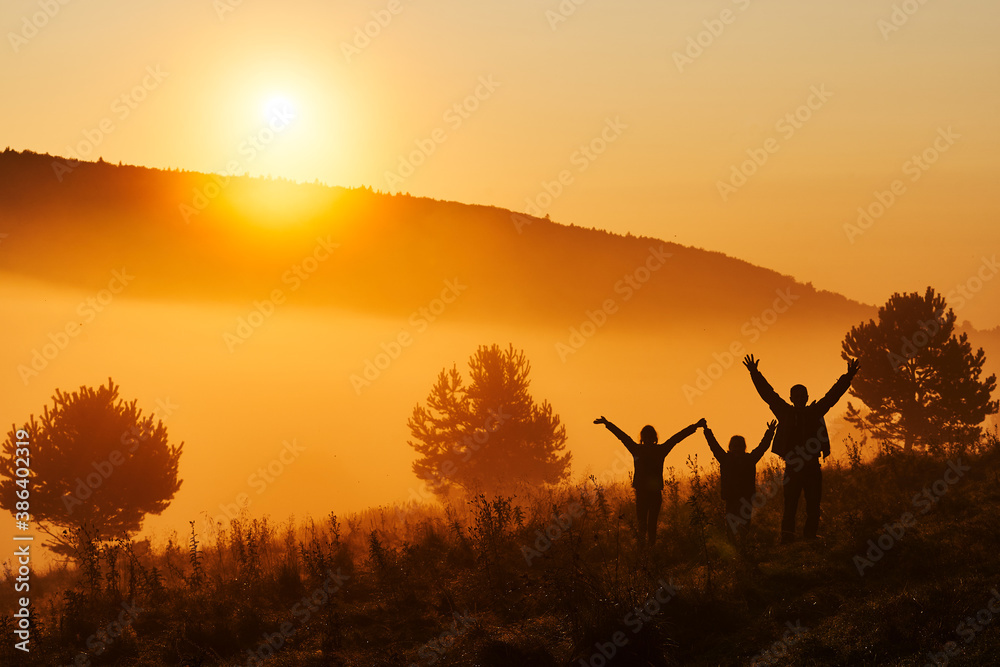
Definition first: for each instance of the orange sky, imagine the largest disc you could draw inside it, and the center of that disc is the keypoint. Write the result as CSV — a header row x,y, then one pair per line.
x,y
753,128
686,114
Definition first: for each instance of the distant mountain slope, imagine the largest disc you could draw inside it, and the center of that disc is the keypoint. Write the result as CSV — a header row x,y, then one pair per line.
x,y
395,252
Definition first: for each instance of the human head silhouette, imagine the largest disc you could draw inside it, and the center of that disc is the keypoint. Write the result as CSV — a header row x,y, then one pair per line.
x,y
737,444
799,395
647,436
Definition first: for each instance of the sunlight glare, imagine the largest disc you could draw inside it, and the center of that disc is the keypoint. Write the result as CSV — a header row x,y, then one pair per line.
x,y
279,109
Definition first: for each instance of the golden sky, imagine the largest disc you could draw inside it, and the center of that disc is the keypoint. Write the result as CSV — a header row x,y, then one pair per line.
x,y
490,102
755,128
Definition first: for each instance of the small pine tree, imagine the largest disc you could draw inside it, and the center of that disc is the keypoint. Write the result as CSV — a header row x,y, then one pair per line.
x,y
96,464
481,436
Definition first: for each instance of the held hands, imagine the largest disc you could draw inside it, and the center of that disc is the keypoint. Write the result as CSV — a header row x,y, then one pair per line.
x,y
751,363
601,420
701,423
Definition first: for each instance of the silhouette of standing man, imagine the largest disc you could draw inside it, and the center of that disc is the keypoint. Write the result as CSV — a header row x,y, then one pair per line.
x,y
799,440
647,480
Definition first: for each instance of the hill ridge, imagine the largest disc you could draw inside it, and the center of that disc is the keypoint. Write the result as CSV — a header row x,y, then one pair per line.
x,y
394,249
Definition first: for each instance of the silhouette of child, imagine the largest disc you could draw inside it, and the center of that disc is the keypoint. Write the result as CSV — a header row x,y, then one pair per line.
x,y
647,480
738,475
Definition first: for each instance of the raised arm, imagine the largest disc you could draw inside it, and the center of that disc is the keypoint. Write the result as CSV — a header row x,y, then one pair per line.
x,y
713,444
620,434
765,442
763,387
680,435
839,388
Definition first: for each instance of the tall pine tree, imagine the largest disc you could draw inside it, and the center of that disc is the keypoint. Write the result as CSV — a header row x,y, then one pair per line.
x,y
920,382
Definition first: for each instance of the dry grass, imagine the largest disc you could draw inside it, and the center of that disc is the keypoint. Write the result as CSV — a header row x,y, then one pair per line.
x,y
545,578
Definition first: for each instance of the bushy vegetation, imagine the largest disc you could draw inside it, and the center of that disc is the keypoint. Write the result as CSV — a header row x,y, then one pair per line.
x,y
555,578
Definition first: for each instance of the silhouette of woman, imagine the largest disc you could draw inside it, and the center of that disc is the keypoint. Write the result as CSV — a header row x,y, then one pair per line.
x,y
647,480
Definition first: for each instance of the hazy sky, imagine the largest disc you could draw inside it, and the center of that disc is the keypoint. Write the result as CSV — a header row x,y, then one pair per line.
x,y
833,100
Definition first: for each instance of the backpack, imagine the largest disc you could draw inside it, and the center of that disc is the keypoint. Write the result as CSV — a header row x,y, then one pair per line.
x,y
796,429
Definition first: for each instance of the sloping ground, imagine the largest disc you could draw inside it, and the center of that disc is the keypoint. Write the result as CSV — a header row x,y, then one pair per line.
x,y
910,556
557,580
393,252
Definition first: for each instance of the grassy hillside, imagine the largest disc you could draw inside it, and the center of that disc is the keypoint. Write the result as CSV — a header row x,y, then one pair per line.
x,y
907,568
191,236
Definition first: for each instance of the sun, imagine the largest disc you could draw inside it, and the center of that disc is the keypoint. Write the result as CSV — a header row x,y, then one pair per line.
x,y
280,118
279,108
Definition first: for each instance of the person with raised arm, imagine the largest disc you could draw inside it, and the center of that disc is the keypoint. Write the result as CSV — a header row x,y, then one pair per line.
x,y
800,439
738,476
647,480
